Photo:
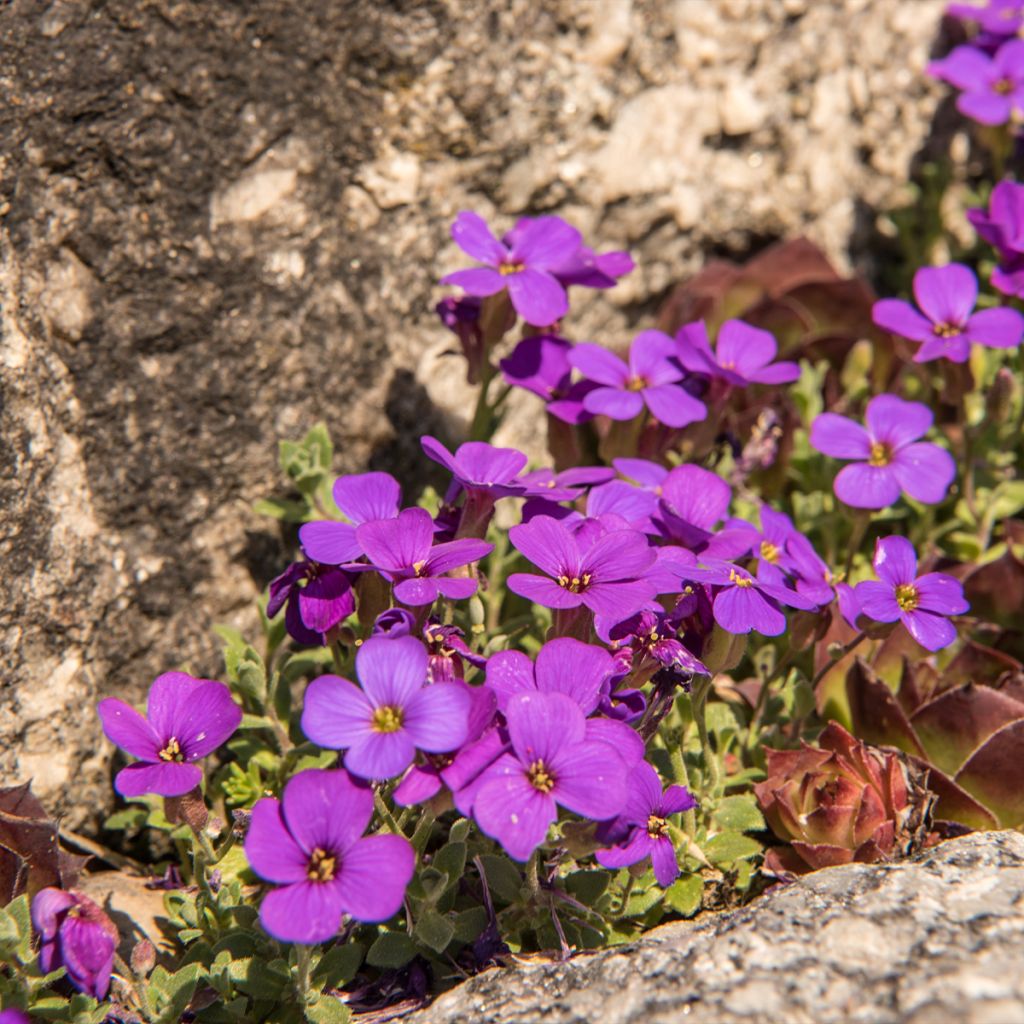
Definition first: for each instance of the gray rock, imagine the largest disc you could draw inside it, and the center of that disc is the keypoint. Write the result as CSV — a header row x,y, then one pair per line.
x,y
221,222
935,939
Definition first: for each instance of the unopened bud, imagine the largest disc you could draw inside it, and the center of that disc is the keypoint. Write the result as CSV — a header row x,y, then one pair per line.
x,y
143,958
1000,396
477,613
189,809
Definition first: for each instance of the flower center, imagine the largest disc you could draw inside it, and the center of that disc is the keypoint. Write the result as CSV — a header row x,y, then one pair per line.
x,y
540,778
1003,86
321,866
386,719
636,384
769,551
418,566
657,828
575,584
907,597
947,330
881,454
172,752
511,267
740,581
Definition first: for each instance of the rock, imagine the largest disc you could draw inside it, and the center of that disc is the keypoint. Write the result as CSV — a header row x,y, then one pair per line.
x,y
222,223
934,939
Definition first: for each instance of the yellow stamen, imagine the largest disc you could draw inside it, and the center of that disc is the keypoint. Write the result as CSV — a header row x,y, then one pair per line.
x,y
321,866
945,330
741,581
881,454
540,778
511,268
657,827
172,752
907,597
386,719
769,551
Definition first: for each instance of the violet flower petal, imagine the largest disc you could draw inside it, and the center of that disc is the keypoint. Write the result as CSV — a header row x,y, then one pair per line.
x,y
925,471
436,717
171,778
380,755
947,294
325,809
901,318
540,724
363,497
270,848
933,632
128,729
396,544
940,593
541,590
549,545
578,670
509,809
839,437
307,912
878,601
895,421
374,875
673,405
480,281
596,363
537,297
742,609
335,712
329,543
472,235
590,779
391,671
862,486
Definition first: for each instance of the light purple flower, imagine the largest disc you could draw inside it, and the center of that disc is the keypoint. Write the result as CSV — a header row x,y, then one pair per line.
x,y
633,505
186,719
890,458
402,550
813,578
992,88
606,576
591,269
552,763
921,603
77,935
642,830
480,468
317,598
1003,227
526,268
743,354
743,602
310,843
946,296
642,472
362,498
769,545
382,725
652,378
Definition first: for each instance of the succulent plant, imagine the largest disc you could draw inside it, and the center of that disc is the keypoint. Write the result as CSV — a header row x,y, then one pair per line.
x,y
835,802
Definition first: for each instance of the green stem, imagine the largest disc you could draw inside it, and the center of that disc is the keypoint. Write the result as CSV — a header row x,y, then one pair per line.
x,y
338,656
532,875
385,812
861,519
302,958
842,653
699,699
762,697
682,778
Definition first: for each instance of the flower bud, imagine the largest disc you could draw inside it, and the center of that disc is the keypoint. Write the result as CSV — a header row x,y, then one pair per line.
x,y
1000,396
143,958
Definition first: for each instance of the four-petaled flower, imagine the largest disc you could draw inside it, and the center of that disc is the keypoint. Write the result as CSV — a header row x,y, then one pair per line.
x,y
890,458
642,829
402,551
186,719
77,935
992,88
382,725
541,364
946,296
1002,226
316,598
311,844
526,267
652,378
552,763
606,576
921,603
743,354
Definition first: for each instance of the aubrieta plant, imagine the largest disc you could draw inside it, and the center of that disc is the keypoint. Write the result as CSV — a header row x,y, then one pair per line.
x,y
552,704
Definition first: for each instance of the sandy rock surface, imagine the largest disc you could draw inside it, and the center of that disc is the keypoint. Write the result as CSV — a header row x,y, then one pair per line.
x,y
221,222
929,941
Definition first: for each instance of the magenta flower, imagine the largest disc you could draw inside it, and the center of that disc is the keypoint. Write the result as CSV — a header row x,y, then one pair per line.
x,y
447,650
591,269
991,88
403,552
311,844
693,502
1003,227
743,602
642,472
316,598
606,576
480,468
633,505
540,364
649,637
769,544
652,378
526,268
552,763
743,354
642,829
998,19
921,603
362,498
946,296
563,665
13,1016
77,935
382,725
186,719
890,458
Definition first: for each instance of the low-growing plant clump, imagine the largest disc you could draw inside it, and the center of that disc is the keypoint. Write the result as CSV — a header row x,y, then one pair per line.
x,y
757,613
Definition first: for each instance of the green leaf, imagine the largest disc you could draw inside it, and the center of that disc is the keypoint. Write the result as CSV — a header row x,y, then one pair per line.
x,y
451,860
470,923
727,847
338,966
280,508
328,1010
739,814
684,895
132,816
640,903
18,911
434,930
262,980
503,878
176,991
392,949
459,831
587,886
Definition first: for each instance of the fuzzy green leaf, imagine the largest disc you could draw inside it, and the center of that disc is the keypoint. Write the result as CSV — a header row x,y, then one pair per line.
x,y
727,847
684,895
392,949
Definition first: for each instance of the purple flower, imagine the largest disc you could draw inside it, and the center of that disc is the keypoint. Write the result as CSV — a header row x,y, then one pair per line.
x,y
606,576
479,467
769,544
540,364
393,623
462,318
318,598
652,378
649,636
311,844
890,459
1003,227
552,763
814,579
642,829
992,88
564,665
744,603
447,650
77,935
644,473
362,498
186,719
921,603
402,550
693,502
633,505
568,485
744,354
383,724
591,269
526,268
999,19
13,1016
946,296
